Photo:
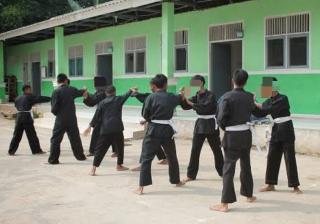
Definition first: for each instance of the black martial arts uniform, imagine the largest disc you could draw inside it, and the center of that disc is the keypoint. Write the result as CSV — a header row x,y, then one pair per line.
x,y
204,104
282,141
63,107
91,101
159,106
109,114
24,122
235,108
142,97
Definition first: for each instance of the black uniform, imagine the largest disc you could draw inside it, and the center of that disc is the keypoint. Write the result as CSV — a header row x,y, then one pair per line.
x,y
282,141
24,122
204,104
91,101
63,107
109,114
235,108
159,106
142,97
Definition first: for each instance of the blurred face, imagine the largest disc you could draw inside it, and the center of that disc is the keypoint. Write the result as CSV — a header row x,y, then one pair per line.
x,y
28,91
274,93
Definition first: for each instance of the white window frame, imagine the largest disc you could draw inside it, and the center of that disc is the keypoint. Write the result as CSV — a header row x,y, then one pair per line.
x,y
76,57
181,46
286,37
135,51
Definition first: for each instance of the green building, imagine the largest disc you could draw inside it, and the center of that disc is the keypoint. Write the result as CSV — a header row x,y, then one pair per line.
x,y
129,41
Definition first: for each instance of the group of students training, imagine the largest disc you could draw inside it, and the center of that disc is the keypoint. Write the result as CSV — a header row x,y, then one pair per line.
x,y
231,114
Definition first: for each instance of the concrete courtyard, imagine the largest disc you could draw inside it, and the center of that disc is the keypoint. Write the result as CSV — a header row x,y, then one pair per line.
x,y
33,192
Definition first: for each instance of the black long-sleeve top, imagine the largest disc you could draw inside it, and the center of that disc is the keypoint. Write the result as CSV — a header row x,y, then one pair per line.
x,y
93,99
25,103
278,106
160,106
62,104
236,108
109,114
204,104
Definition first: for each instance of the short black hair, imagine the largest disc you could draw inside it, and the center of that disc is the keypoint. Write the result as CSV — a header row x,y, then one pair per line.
x,y
61,78
25,87
240,77
200,78
111,89
160,80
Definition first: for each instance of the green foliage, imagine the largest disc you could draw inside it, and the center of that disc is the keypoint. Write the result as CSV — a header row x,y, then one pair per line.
x,y
17,13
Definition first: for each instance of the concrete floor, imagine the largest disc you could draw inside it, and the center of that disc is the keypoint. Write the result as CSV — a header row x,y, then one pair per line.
x,y
33,192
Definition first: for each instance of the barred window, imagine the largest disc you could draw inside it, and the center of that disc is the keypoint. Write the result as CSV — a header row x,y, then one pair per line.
x,y
287,41
181,51
76,61
135,55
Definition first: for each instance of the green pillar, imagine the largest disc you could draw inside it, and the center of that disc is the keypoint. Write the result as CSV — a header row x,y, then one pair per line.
x,y
59,49
2,84
167,45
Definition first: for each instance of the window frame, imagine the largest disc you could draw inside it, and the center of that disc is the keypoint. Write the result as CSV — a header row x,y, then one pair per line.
x,y
181,46
134,52
75,58
284,51
291,36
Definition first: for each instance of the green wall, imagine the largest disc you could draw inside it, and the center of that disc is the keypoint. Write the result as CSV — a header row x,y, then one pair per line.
x,y
299,85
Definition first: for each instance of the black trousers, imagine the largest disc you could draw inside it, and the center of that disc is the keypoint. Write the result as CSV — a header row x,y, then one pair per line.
x,y
94,139
159,153
103,144
31,135
150,146
231,157
74,137
276,149
197,143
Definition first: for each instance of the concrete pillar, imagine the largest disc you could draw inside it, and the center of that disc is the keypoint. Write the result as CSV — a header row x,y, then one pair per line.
x,y
59,49
2,71
167,45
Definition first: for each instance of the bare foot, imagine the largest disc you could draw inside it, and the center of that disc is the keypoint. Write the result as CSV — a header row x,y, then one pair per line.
x,y
163,162
187,179
251,199
93,171
114,155
138,168
89,154
297,190
180,184
138,191
121,168
223,207
267,188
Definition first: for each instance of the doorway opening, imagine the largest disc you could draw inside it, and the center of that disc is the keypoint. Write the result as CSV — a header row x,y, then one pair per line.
x,y
36,78
225,58
104,67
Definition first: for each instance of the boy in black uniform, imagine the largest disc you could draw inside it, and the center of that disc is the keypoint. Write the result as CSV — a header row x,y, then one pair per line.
x,y
158,111
282,141
24,121
206,127
91,101
160,153
234,112
109,114
63,107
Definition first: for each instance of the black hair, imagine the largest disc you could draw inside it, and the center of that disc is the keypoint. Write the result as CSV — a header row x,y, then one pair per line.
x,y
61,78
25,87
110,89
68,81
160,80
200,78
240,77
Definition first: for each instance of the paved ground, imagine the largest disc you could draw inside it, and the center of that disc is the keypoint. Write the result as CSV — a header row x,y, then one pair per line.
x,y
33,192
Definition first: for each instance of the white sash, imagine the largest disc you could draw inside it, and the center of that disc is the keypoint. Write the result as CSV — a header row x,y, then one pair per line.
x,y
240,127
168,122
280,120
211,116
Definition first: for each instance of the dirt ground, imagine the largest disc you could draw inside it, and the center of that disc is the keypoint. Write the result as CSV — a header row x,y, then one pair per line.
x,y
33,192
